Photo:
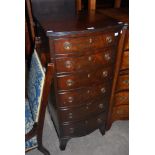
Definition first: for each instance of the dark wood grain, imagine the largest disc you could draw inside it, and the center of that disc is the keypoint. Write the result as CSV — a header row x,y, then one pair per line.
x,y
125,60
121,111
119,107
82,128
123,82
83,79
99,58
84,95
117,68
60,26
121,14
82,112
80,93
121,98
126,42
84,43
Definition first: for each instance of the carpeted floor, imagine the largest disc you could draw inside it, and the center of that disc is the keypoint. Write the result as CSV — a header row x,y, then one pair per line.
x,y
114,142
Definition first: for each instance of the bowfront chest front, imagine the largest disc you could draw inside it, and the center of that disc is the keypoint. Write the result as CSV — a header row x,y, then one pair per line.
x,y
83,50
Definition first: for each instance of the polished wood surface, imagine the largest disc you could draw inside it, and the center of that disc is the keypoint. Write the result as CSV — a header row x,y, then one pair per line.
x,y
117,3
82,21
98,46
55,8
84,96
123,82
77,114
83,48
75,63
125,60
84,79
119,106
75,111
92,4
121,112
28,43
126,43
70,45
120,14
84,127
79,5
121,98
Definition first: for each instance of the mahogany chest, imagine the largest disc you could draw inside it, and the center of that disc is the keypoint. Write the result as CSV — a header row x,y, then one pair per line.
x,y
83,49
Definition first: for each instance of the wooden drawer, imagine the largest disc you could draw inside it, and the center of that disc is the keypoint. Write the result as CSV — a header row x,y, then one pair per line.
x,y
79,113
84,127
84,95
83,79
121,111
87,62
123,82
80,44
125,60
121,98
126,42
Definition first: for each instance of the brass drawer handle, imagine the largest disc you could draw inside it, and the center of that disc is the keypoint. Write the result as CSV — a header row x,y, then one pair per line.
x,y
101,106
105,73
71,130
107,56
70,115
125,81
103,90
90,40
89,103
70,99
90,58
99,120
120,112
67,45
88,91
123,98
88,75
109,39
68,64
69,82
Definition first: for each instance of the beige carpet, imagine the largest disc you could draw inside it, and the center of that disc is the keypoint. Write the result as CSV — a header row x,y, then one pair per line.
x,y
114,142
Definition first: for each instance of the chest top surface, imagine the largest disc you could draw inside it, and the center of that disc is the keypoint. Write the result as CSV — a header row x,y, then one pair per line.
x,y
82,22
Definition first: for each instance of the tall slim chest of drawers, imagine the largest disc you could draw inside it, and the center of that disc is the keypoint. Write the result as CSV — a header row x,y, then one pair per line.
x,y
83,50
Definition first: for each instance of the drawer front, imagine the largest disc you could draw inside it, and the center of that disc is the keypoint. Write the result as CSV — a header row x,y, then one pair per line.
x,y
126,42
82,96
84,127
123,82
73,64
79,113
83,79
125,60
121,111
122,98
72,45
